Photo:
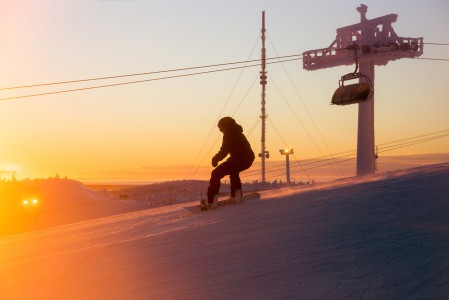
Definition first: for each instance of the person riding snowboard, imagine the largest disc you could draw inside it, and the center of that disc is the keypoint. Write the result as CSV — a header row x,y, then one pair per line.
x,y
241,157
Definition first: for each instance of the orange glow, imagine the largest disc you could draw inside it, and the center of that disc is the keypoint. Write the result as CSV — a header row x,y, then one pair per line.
x,y
164,130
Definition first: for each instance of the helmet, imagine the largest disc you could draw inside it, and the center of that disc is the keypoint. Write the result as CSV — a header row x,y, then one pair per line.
x,y
225,121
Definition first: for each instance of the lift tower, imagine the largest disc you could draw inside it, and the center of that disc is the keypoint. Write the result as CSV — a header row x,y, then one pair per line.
x,y
368,43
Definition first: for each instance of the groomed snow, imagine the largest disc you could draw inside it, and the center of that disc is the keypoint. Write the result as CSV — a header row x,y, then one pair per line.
x,y
380,237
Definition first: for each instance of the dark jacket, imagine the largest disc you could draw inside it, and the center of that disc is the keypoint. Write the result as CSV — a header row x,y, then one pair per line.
x,y
236,145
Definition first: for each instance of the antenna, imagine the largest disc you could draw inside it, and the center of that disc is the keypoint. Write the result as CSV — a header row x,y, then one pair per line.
x,y
263,81
375,43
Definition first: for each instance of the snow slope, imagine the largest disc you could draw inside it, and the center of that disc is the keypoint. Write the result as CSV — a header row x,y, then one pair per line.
x,y
60,201
380,237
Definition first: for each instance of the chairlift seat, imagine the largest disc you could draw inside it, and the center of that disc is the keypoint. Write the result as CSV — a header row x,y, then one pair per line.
x,y
351,93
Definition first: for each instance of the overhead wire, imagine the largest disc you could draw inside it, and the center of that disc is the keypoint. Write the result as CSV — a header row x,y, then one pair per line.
x,y
411,143
402,143
143,73
435,59
397,146
331,163
437,44
140,81
415,137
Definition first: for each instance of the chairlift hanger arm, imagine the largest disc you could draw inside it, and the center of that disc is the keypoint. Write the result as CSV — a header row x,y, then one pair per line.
x,y
353,93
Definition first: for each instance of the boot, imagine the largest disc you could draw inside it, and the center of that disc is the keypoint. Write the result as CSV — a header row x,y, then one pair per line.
x,y
238,196
214,204
204,204
212,200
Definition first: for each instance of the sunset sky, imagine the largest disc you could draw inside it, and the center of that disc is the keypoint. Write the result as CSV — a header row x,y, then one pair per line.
x,y
166,129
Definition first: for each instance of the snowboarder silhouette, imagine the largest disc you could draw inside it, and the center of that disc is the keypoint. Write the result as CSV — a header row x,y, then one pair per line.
x,y
241,158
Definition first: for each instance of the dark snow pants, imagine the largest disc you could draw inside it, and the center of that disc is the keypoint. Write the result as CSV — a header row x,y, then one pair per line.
x,y
231,168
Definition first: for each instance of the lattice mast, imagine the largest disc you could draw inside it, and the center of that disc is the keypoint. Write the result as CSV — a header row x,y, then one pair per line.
x,y
370,42
263,81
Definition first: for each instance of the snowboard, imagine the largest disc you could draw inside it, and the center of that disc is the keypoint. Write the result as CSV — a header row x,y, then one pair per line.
x,y
229,201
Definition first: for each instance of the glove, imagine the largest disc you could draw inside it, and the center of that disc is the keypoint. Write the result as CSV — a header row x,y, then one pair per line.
x,y
214,162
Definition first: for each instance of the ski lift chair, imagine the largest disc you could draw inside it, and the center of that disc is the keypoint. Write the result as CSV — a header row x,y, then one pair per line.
x,y
352,93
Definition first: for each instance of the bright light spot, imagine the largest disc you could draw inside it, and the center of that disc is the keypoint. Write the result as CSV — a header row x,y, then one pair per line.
x,y
33,202
286,151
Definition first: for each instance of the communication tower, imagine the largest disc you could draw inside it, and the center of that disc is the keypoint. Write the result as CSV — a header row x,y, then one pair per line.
x,y
263,81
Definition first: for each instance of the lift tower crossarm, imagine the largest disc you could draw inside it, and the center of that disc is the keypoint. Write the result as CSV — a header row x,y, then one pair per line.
x,y
375,39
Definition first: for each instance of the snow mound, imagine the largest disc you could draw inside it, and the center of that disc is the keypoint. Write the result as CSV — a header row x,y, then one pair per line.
x,y
58,201
381,237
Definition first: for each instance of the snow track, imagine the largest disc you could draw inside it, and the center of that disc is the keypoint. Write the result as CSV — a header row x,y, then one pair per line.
x,y
383,237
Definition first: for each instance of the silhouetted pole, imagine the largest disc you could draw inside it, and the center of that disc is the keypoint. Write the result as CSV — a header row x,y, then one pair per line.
x,y
366,157
263,81
287,153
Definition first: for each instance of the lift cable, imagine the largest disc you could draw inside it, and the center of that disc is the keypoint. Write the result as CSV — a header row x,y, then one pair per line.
x,y
298,165
437,44
403,145
395,145
411,143
141,81
331,163
416,137
435,59
353,151
146,73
